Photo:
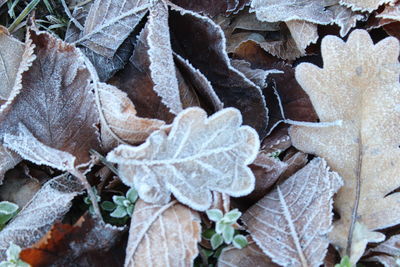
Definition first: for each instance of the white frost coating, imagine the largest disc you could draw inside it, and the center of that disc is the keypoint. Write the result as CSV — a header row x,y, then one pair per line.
x,y
110,22
291,224
162,67
173,229
28,147
49,205
345,18
198,155
365,5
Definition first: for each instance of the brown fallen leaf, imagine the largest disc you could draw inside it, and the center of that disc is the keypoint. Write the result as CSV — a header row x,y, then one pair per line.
x,y
8,160
359,88
163,235
391,12
291,223
109,23
211,7
120,120
198,154
250,256
89,242
365,5
48,205
206,51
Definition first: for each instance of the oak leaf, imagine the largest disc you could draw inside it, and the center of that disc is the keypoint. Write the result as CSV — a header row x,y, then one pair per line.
x,y
291,223
359,88
198,154
163,235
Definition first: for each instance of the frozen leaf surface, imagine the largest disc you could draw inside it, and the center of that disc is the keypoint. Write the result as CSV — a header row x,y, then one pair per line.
x,y
365,5
358,86
163,235
291,223
120,120
209,7
345,18
198,155
56,103
49,204
110,22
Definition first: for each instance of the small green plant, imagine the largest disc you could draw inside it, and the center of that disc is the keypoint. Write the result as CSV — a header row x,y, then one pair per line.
x,y
7,211
13,259
345,262
121,206
224,231
275,154
88,201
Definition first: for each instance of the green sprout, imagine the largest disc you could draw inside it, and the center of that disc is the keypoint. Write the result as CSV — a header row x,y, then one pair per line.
x,y
345,262
224,231
121,206
13,259
88,201
7,211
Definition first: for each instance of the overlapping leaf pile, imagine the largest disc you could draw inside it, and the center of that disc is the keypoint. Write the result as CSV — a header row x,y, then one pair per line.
x,y
257,105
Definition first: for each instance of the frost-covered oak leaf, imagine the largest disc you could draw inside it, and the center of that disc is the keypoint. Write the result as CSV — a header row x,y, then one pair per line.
x,y
291,223
198,154
359,86
365,5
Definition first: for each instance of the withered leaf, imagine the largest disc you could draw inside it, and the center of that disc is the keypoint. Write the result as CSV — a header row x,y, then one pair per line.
x,y
250,256
210,7
198,154
56,103
89,242
358,86
206,51
163,235
365,5
110,22
48,205
120,120
391,12
291,223
8,160
345,18
257,76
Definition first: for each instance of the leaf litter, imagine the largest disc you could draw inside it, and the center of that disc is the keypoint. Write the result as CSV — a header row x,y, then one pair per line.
x,y
198,108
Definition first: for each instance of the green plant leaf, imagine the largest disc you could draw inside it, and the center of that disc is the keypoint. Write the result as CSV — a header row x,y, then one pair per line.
x,y
239,241
232,216
130,209
119,200
216,241
132,195
7,211
214,215
227,234
119,212
345,262
207,234
220,226
108,206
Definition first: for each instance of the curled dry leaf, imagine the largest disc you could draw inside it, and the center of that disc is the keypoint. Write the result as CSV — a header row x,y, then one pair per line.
x,y
163,235
198,155
359,86
206,51
365,5
55,105
121,123
109,23
250,256
89,242
291,223
48,205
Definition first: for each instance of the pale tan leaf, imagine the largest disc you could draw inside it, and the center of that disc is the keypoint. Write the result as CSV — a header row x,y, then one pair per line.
x,y
250,256
359,88
163,235
365,5
345,18
120,120
303,33
285,10
162,67
49,205
56,104
291,223
109,23
198,154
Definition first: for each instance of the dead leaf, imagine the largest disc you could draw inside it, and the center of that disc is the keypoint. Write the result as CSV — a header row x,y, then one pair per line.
x,y
120,120
257,76
210,7
345,18
391,12
109,23
358,87
250,256
55,105
163,235
291,223
365,5
48,205
198,155
89,242
8,160
206,51
303,33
